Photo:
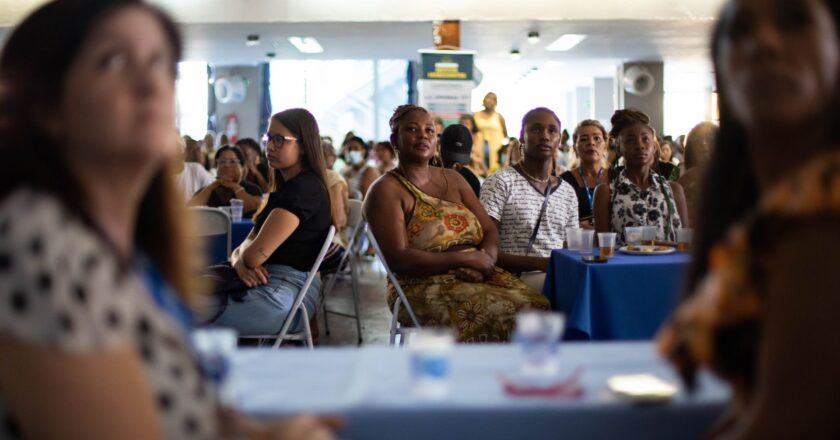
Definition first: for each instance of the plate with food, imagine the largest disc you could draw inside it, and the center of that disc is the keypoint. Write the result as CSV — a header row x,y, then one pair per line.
x,y
642,388
638,249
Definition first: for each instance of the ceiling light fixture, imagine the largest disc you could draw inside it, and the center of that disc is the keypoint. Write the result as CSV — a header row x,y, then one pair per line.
x,y
515,55
565,42
533,37
306,44
252,40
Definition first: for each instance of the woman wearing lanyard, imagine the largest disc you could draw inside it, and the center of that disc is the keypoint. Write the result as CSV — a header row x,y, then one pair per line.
x,y
591,147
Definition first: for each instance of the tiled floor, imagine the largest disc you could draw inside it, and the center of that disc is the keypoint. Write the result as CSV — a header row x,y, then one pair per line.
x,y
376,317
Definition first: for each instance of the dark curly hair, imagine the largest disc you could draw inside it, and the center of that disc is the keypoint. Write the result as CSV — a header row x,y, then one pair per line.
x,y
240,156
622,119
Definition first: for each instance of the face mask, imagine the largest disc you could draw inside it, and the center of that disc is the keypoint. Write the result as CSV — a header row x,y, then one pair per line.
x,y
355,157
503,159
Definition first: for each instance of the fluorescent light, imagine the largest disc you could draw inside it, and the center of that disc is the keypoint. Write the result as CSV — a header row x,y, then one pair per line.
x,y
306,44
565,42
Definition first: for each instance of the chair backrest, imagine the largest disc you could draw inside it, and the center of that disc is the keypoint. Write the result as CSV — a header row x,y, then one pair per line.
x,y
393,278
355,215
302,293
211,222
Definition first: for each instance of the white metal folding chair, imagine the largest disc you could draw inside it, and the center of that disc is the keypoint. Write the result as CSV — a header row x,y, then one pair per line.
x,y
211,222
356,195
355,224
299,308
402,301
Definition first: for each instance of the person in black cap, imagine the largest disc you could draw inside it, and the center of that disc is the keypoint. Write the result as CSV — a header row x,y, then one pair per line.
x,y
455,148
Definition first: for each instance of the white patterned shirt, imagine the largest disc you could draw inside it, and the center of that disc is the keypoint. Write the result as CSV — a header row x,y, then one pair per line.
x,y
61,289
509,198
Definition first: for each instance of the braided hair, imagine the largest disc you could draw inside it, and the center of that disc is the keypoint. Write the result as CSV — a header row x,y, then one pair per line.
x,y
620,120
400,113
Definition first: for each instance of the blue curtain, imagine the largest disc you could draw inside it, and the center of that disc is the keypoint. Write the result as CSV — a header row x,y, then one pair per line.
x,y
265,96
411,79
211,99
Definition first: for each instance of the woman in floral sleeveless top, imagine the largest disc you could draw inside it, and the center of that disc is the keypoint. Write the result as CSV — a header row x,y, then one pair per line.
x,y
440,243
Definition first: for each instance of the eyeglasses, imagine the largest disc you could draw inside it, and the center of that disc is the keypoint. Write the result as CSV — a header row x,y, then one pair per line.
x,y
228,162
276,140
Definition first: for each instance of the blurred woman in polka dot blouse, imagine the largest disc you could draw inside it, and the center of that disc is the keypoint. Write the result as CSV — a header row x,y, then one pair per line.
x,y
93,331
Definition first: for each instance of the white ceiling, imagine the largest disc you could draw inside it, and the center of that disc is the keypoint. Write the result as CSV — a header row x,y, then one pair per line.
x,y
618,30
249,11
626,40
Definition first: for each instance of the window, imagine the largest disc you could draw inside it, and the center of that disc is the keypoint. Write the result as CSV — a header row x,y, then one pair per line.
x,y
344,95
191,98
688,96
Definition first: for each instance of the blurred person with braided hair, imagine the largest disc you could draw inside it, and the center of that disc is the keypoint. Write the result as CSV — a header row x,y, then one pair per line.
x,y
761,309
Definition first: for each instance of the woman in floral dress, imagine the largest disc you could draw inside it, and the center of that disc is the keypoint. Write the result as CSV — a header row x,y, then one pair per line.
x,y
440,243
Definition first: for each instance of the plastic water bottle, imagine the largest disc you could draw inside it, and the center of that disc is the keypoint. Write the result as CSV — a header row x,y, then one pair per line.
x,y
430,351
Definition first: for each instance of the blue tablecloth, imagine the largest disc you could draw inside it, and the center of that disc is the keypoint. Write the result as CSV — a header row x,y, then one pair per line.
x,y
216,245
369,387
239,232
626,298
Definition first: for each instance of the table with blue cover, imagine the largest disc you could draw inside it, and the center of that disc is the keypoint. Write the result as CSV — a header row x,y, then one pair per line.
x,y
370,388
627,298
217,246
239,231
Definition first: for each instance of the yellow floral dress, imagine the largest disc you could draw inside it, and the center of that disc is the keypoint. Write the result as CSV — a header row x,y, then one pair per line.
x,y
481,312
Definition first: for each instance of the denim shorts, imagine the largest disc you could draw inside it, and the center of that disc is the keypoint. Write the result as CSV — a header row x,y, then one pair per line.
x,y
264,309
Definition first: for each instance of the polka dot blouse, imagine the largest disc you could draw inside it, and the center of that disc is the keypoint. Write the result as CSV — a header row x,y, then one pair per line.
x,y
60,289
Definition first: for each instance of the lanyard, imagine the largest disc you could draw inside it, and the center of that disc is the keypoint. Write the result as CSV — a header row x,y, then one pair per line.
x,y
164,296
586,187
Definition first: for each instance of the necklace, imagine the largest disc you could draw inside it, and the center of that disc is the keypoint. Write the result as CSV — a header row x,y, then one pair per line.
x,y
522,168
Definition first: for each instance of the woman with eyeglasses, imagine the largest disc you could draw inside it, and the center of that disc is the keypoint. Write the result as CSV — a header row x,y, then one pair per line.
x,y
229,184
289,230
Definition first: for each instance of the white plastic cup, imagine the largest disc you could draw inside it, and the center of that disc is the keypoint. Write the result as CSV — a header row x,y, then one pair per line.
x,y
649,235
430,353
587,236
685,236
606,243
236,206
538,335
633,235
573,238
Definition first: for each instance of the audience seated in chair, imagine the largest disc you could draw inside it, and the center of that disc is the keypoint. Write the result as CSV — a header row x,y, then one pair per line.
x,y
229,184
288,233
638,196
440,243
514,199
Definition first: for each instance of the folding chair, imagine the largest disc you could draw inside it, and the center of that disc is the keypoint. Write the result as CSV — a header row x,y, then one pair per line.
x,y
356,195
401,301
211,224
299,308
355,224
